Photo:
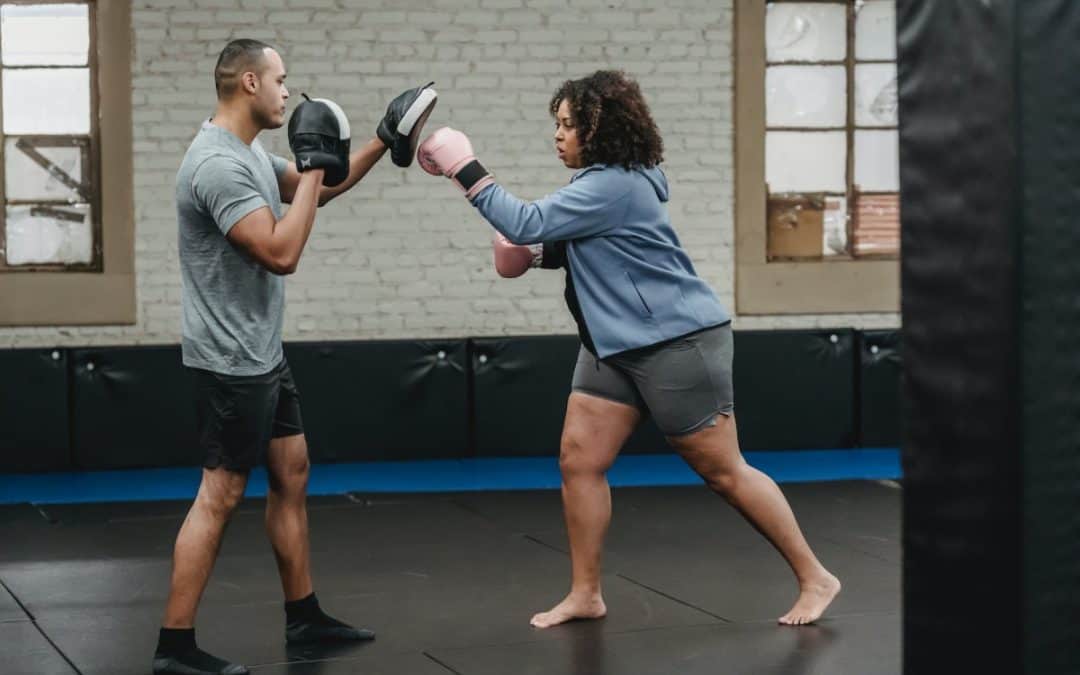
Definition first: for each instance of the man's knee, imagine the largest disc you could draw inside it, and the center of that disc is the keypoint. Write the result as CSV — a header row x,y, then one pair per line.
x,y
289,465
291,474
222,490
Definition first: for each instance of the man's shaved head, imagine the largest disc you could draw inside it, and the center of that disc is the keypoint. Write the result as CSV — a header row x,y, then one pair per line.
x,y
238,57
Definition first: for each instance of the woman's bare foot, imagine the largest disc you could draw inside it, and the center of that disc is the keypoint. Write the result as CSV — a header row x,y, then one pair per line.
x,y
574,606
814,597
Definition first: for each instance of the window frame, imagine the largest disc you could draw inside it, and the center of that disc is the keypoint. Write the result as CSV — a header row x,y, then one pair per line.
x,y
102,293
843,284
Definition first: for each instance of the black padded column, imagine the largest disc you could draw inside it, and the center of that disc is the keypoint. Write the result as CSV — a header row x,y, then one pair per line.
x,y
990,177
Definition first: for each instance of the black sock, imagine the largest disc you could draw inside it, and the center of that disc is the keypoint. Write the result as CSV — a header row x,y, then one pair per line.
x,y
307,610
175,641
179,645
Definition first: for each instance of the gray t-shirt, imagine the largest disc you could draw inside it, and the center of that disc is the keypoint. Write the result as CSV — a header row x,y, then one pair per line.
x,y
232,306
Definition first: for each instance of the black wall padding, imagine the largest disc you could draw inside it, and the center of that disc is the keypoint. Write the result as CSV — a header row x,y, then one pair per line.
x,y
879,408
34,411
520,389
990,179
132,407
520,386
795,389
382,399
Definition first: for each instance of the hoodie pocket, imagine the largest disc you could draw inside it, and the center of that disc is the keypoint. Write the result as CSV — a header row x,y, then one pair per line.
x,y
644,305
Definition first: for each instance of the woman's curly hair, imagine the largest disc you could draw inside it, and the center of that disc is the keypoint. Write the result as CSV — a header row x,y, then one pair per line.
x,y
613,122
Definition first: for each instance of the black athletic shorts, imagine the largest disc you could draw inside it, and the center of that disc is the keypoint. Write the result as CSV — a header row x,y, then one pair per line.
x,y
239,414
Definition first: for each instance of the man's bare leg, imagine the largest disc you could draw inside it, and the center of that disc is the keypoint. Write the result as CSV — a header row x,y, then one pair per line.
x,y
288,468
198,543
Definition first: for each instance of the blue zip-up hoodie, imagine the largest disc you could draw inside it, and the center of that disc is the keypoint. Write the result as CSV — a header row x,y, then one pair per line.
x,y
635,284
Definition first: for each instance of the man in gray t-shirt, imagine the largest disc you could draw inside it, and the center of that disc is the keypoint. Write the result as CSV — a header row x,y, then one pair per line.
x,y
233,306
236,243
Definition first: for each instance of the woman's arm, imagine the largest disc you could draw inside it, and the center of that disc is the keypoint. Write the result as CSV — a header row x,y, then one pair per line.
x,y
587,207
592,204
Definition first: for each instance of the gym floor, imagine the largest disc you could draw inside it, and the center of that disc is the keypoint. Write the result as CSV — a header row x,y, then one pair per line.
x,y
450,580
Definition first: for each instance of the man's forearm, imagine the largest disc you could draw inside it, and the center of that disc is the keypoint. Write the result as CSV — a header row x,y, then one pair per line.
x,y
360,162
292,231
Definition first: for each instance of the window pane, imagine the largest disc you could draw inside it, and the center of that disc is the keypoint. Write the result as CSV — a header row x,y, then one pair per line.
x,y
45,35
42,238
47,101
875,95
877,225
805,31
794,226
835,227
806,161
877,160
26,179
805,96
875,30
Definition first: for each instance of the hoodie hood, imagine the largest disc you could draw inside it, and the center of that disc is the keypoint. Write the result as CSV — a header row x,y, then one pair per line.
x,y
654,175
658,180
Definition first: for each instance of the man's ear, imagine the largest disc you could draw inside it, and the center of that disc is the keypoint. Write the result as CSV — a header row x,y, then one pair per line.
x,y
250,82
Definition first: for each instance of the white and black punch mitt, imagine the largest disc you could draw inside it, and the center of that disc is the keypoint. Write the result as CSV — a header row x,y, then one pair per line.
x,y
404,120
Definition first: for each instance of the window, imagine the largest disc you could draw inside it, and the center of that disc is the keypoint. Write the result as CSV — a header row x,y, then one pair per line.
x,y
831,140
50,216
67,232
817,157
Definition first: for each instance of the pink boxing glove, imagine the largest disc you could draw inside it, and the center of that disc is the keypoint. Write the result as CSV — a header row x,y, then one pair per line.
x,y
512,260
448,152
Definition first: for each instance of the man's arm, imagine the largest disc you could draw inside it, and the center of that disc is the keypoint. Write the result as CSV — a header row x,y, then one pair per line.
x,y
277,244
360,162
398,131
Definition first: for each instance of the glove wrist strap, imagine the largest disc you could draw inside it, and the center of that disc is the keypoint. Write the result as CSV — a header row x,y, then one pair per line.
x,y
470,175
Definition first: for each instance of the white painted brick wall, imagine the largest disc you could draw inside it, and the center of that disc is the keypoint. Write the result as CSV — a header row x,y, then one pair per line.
x,y
402,254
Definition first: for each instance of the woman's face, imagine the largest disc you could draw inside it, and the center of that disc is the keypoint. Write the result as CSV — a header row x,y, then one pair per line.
x,y
566,138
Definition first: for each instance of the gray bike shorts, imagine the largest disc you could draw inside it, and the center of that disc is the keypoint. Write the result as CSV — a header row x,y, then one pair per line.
x,y
683,383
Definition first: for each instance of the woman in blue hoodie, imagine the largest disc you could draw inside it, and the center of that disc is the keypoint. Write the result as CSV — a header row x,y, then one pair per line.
x,y
655,339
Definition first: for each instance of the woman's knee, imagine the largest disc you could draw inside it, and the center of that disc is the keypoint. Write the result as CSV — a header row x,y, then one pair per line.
x,y
577,458
722,472
713,453
721,480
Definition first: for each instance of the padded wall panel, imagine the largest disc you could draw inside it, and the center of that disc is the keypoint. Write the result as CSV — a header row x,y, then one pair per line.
x,y
383,399
33,410
132,407
795,389
520,389
879,405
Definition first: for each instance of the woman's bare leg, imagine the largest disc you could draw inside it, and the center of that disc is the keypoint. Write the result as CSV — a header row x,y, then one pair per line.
x,y
714,454
593,433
